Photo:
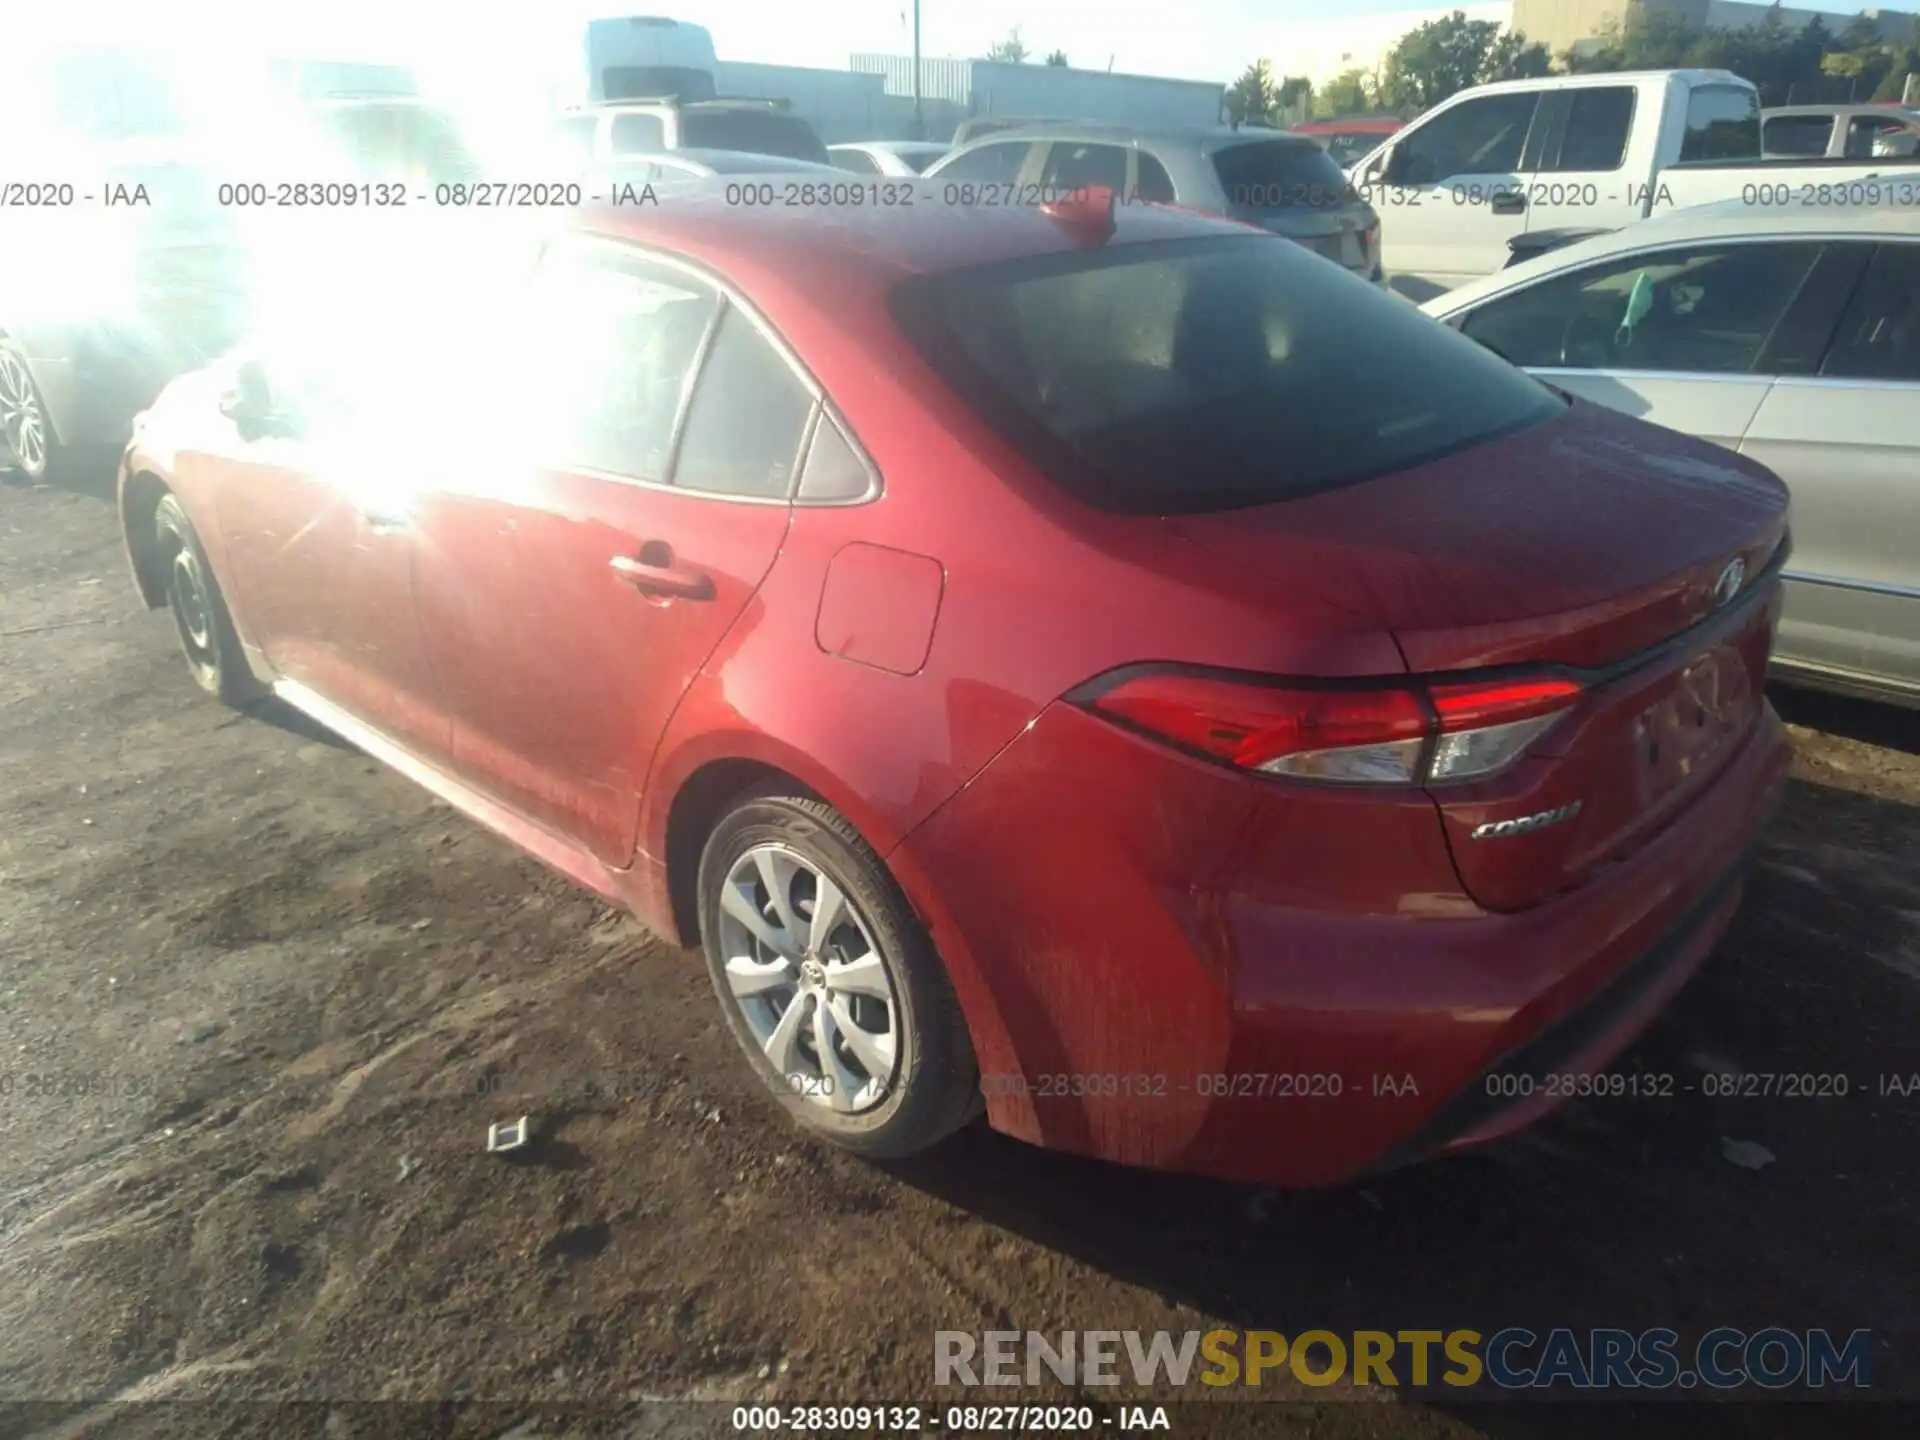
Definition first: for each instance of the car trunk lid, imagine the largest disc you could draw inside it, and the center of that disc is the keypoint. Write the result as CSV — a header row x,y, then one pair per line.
x,y
1640,562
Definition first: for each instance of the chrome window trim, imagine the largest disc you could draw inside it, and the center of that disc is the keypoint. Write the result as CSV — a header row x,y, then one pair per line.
x,y
1841,582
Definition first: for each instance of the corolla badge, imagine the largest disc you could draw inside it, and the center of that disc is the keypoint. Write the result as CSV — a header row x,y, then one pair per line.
x,y
1525,824
1730,581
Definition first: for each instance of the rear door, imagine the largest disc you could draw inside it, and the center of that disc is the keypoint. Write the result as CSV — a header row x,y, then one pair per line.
x,y
1677,335
1847,440
570,601
1583,179
1454,189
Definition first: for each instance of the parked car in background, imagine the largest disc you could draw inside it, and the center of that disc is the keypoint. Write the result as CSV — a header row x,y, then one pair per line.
x,y
887,157
1283,183
677,166
630,57
1357,738
1851,132
1349,139
1581,151
1791,337
102,303
603,134
976,126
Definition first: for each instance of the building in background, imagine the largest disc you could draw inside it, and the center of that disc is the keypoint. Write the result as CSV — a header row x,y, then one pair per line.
x,y
955,90
1572,24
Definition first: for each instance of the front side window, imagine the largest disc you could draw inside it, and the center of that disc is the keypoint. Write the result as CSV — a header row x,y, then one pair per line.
x,y
1701,309
1479,137
857,161
1723,123
997,164
1879,337
1213,374
1072,165
608,353
748,414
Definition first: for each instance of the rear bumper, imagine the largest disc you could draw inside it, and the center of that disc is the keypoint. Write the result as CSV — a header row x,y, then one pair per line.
x,y
1157,999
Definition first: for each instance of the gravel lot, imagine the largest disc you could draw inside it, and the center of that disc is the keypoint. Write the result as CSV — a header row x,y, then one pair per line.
x,y
307,987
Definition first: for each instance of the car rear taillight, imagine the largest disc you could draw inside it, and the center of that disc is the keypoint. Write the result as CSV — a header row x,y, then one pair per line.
x,y
1398,733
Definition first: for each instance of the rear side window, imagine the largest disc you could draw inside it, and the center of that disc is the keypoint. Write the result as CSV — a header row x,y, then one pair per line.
x,y
755,131
1704,309
1200,375
1879,338
748,415
637,134
1598,120
996,164
1723,123
1074,166
1280,175
1155,185
1802,135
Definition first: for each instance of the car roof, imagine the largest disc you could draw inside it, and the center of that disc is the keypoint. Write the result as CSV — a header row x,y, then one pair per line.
x,y
727,160
883,244
1890,112
893,147
1727,219
1610,77
1203,137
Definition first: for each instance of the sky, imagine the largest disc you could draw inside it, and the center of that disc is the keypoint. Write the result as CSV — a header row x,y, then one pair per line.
x,y
1189,39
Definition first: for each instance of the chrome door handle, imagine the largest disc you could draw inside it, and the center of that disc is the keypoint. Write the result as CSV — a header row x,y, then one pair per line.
x,y
663,581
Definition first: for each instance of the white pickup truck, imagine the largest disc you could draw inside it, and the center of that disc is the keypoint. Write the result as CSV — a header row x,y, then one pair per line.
x,y
1526,160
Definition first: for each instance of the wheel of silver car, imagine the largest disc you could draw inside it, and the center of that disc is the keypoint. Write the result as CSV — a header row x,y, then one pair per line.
x,y
24,432
828,981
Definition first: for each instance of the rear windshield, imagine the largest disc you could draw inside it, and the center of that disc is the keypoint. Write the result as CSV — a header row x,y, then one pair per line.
x,y
400,140
758,131
1281,175
1199,375
654,82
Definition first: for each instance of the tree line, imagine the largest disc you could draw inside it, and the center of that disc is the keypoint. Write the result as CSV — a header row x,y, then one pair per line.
x,y
1435,60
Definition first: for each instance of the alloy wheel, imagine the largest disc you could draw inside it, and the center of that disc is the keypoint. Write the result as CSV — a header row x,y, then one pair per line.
x,y
802,966
23,426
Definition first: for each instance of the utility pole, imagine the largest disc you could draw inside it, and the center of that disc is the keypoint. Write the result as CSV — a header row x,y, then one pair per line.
x,y
919,122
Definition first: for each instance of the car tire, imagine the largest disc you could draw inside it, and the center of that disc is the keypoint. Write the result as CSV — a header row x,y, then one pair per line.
x,y
874,976
207,638
27,442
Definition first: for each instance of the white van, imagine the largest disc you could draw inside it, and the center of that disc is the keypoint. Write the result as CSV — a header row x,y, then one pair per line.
x,y
643,57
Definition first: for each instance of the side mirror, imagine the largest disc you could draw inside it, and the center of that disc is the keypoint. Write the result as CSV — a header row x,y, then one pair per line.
x,y
251,404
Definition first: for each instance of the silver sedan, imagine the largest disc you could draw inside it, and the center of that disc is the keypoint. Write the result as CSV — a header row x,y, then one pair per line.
x,y
1789,334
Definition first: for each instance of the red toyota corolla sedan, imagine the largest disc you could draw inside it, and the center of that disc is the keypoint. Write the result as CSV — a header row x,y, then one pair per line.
x,y
1015,649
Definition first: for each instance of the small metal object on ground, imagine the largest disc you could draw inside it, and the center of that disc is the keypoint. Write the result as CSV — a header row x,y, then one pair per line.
x,y
509,1135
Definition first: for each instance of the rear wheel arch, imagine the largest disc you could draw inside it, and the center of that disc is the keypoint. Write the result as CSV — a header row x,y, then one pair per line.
x,y
710,792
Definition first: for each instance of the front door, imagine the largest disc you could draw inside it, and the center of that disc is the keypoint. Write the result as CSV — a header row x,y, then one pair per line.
x,y
320,554
1848,443
1454,192
573,588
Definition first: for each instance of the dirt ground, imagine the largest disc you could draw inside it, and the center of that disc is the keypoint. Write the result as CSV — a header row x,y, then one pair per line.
x,y
296,990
